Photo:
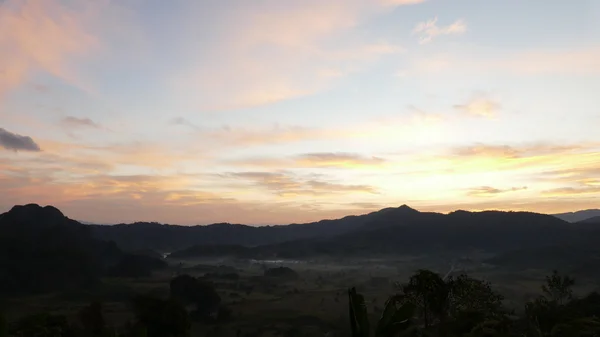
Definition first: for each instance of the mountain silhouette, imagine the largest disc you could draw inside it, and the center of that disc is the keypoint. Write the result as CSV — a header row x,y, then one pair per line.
x,y
578,215
167,238
43,250
593,220
402,230
40,232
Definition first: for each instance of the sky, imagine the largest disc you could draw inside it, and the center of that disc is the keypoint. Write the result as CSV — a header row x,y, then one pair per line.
x,y
281,111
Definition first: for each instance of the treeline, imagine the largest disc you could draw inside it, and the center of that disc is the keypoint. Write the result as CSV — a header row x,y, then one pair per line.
x,y
432,305
191,299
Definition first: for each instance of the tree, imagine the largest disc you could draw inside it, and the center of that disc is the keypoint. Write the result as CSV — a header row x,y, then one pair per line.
x,y
558,288
469,294
188,290
42,325
396,316
3,326
161,318
550,311
92,319
429,293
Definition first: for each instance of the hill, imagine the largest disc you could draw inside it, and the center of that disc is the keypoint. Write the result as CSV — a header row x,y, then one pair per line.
x,y
403,230
594,220
458,229
167,238
580,260
579,215
42,250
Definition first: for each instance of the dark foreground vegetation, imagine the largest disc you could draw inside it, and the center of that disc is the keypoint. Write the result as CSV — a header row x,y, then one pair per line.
x,y
428,304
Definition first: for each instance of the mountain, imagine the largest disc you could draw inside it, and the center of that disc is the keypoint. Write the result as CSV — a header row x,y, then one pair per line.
x,y
170,238
42,250
167,238
579,215
580,260
403,230
580,257
594,220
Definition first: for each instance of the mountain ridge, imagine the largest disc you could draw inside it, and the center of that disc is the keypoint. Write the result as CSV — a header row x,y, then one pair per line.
x,y
578,216
378,232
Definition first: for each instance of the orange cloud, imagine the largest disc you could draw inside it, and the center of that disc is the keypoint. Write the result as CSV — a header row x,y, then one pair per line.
x,y
41,35
55,36
562,191
290,185
313,160
486,191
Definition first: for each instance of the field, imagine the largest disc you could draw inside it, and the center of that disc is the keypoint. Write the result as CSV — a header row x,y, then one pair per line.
x,y
313,304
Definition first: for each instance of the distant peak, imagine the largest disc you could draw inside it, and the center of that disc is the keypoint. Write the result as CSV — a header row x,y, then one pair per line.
x,y
407,208
36,210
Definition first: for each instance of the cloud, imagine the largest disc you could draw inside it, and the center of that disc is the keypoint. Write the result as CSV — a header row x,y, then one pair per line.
x,y
118,198
521,151
570,191
76,122
290,185
15,142
411,126
370,206
239,136
581,61
579,180
311,160
328,187
487,191
546,204
271,54
180,121
40,35
55,37
428,30
577,174
337,159
480,106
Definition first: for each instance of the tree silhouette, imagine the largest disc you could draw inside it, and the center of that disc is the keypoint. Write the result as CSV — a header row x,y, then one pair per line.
x,y
160,317
558,288
92,319
190,290
429,293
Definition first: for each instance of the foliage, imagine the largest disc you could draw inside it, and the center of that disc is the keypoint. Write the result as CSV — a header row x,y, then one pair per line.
x,y
463,306
190,290
281,272
42,325
134,266
160,317
396,316
92,319
3,326
558,288
430,295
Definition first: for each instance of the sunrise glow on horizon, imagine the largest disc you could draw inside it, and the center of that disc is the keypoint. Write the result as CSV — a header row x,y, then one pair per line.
x,y
274,112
